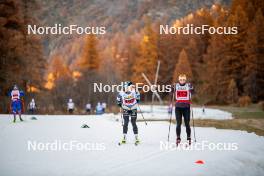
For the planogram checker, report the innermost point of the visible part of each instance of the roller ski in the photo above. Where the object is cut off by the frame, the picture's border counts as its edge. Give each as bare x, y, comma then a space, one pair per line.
123, 141
188, 143
137, 140
21, 120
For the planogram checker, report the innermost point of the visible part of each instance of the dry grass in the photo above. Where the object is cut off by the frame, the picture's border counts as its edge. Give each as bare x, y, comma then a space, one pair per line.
249, 125
250, 119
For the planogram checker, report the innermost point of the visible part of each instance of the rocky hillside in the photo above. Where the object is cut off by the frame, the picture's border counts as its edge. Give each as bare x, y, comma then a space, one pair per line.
116, 15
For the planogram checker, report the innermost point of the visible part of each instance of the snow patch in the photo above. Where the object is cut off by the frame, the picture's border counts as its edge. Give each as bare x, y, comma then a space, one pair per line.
161, 112
128, 159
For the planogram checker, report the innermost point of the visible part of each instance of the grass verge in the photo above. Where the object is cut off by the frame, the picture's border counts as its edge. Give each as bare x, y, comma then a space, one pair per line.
250, 119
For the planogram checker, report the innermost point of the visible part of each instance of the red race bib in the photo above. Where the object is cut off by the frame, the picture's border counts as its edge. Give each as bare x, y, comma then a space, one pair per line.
182, 93
130, 101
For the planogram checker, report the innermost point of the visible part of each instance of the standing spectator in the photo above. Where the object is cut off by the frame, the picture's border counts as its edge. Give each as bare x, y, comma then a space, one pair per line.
70, 106
99, 109
104, 106
88, 108
32, 106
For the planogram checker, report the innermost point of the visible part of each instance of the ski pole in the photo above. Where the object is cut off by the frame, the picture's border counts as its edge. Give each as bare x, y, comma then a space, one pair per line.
142, 115
170, 116
121, 114
193, 127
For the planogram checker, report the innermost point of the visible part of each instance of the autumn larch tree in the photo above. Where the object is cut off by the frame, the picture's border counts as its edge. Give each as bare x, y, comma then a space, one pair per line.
253, 78
183, 67
148, 55
89, 59
232, 93
21, 55
231, 65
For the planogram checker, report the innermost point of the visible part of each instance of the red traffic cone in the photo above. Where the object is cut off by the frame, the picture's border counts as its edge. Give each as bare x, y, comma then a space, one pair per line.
199, 162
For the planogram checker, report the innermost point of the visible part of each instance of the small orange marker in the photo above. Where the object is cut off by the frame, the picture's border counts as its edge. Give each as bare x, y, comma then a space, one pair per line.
199, 162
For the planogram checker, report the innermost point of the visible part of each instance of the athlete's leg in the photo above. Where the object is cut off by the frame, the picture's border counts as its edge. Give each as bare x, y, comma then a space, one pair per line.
14, 110
126, 121
178, 113
186, 115
134, 120
14, 120
19, 109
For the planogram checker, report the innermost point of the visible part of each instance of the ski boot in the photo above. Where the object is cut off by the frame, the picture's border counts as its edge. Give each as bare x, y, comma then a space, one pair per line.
14, 121
178, 141
123, 141
137, 141
20, 118
189, 140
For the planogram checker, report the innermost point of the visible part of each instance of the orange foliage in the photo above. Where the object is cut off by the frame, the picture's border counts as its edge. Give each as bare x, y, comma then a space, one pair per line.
76, 74
50, 81
32, 89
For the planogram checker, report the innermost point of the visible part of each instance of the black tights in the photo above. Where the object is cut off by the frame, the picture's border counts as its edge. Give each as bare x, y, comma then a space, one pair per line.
185, 112
133, 114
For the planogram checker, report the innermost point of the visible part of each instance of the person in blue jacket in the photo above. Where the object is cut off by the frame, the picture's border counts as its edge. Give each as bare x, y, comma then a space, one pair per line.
99, 109
16, 103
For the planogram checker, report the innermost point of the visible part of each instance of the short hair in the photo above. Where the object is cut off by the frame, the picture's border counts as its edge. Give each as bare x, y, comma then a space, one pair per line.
182, 76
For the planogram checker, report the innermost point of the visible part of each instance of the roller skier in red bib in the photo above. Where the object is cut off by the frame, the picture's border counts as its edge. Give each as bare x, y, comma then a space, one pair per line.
183, 93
